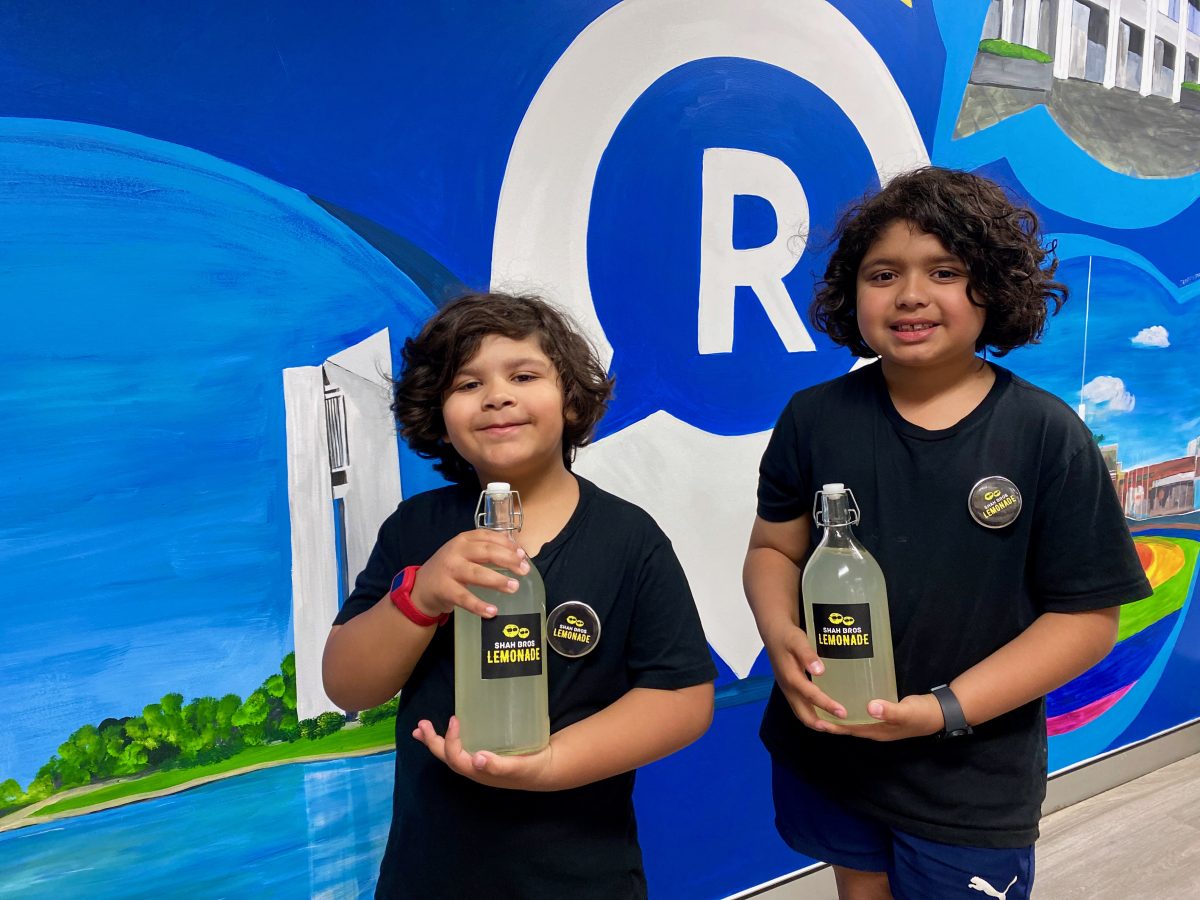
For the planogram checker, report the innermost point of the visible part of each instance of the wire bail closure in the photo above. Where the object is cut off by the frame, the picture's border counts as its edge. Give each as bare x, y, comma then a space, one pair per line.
853, 514
515, 518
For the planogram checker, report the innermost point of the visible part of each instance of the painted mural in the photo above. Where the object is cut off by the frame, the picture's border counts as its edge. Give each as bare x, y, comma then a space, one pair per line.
221, 221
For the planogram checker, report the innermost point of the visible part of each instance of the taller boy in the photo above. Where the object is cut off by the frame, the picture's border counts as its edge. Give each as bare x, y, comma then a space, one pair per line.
942, 796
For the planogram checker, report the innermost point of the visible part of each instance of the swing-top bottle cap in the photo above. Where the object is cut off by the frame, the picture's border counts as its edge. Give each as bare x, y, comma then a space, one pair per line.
498, 487
833, 488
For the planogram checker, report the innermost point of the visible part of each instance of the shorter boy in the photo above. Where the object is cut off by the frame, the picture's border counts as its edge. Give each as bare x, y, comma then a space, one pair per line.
501, 388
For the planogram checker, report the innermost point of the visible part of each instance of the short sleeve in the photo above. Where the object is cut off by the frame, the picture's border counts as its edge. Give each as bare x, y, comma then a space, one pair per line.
667, 649
1082, 556
784, 475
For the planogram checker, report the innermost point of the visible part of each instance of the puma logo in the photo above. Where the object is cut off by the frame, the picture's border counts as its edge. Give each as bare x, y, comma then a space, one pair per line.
978, 884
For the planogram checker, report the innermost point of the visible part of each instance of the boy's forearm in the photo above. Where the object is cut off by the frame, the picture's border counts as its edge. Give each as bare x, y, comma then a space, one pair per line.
1054, 649
368, 660
644, 725
772, 585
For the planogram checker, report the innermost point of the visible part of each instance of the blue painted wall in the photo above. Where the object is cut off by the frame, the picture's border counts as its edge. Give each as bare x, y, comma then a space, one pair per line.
164, 258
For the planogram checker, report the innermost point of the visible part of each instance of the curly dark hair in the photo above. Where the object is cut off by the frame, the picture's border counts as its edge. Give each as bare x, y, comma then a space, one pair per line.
453, 335
996, 239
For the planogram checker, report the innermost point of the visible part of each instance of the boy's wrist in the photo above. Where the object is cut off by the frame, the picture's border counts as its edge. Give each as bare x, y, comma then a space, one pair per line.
776, 628
401, 594
954, 720
543, 779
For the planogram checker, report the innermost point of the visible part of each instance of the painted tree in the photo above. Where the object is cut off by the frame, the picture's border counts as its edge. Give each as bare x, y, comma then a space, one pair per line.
11, 794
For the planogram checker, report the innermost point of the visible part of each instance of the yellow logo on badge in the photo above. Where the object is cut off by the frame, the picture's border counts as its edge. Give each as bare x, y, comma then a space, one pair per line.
575, 620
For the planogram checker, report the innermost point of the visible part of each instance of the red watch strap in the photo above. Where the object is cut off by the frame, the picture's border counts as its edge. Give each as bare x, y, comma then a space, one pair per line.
401, 594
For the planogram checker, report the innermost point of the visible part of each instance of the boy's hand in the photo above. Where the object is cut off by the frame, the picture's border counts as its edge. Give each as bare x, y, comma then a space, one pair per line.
528, 773
791, 657
916, 715
442, 583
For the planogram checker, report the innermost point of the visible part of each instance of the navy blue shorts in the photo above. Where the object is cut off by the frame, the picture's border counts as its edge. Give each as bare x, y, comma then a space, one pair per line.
812, 823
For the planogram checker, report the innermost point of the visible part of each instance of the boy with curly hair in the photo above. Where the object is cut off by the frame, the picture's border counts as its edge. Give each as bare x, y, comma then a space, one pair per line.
992, 514
502, 388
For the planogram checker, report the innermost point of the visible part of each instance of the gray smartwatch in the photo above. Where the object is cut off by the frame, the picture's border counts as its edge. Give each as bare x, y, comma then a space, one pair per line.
952, 713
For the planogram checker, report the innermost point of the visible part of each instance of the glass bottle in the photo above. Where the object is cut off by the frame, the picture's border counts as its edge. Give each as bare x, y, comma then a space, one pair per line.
846, 612
500, 695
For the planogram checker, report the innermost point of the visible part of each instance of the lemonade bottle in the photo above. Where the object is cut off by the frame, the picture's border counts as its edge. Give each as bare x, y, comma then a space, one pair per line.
500, 694
846, 612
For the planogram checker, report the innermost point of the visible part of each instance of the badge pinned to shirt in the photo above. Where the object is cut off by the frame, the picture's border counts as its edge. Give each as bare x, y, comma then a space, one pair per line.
994, 502
572, 629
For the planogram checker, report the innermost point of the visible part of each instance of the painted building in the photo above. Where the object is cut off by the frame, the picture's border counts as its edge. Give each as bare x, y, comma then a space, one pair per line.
343, 480
1165, 488
1148, 46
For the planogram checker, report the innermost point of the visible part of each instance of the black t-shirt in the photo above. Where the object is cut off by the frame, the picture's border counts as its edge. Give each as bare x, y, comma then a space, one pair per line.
957, 591
451, 837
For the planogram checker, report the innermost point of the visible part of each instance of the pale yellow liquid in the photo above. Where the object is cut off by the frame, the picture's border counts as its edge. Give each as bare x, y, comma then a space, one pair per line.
503, 715
851, 575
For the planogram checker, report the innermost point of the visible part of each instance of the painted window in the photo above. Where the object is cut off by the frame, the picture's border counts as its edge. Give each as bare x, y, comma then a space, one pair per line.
339, 547
1164, 67
1088, 41
1131, 44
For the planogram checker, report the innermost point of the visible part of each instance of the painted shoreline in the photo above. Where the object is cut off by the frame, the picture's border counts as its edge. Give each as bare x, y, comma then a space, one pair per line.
28, 816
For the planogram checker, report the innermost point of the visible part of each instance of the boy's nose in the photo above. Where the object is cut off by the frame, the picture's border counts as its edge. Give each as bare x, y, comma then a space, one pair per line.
909, 295
498, 399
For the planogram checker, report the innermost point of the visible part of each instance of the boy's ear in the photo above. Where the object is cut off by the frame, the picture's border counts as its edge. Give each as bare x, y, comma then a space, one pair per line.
569, 413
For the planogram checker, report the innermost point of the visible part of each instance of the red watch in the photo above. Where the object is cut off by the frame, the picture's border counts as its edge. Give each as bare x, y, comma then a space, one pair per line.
401, 594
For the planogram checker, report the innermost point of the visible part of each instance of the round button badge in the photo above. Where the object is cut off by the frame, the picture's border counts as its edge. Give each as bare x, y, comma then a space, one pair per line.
573, 629
994, 502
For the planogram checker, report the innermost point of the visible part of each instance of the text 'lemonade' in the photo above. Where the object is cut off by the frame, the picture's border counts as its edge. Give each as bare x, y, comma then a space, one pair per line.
846, 612
500, 663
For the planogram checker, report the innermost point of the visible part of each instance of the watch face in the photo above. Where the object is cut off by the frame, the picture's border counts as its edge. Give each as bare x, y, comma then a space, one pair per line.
955, 733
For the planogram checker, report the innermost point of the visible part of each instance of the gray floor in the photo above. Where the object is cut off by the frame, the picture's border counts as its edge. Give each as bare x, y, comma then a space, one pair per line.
1139, 840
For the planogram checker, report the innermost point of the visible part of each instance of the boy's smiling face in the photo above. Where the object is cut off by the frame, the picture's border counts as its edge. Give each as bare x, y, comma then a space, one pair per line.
504, 410
913, 309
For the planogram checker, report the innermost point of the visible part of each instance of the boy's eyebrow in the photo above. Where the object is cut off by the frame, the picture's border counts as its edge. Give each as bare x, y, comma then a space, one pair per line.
522, 362
929, 261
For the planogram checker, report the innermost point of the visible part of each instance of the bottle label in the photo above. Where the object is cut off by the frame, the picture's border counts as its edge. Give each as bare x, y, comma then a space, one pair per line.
511, 646
843, 630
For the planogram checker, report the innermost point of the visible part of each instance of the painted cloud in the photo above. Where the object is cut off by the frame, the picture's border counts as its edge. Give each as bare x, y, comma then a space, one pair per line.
1154, 336
1108, 392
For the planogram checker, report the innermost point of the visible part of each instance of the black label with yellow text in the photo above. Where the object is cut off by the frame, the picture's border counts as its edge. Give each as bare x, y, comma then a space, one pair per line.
511, 646
843, 630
